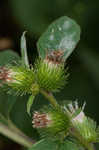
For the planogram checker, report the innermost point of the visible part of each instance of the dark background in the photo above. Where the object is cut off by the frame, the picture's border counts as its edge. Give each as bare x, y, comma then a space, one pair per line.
35, 16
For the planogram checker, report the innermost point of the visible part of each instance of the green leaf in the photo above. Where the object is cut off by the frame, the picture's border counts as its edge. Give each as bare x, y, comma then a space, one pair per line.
63, 34
50, 144
3, 119
68, 145
44, 144
29, 103
6, 103
21, 119
8, 56
25, 61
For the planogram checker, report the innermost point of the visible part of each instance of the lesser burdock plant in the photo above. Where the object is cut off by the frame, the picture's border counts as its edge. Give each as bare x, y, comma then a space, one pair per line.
60, 126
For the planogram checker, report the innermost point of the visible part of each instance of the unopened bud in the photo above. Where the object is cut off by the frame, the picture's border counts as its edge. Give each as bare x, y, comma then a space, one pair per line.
19, 79
86, 126
50, 76
52, 122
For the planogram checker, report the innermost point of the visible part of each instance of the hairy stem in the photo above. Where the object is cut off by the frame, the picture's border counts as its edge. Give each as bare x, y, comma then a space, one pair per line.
50, 97
15, 136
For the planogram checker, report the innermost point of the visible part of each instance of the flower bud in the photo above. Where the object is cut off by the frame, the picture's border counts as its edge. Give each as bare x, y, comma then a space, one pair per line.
52, 122
50, 75
19, 79
86, 126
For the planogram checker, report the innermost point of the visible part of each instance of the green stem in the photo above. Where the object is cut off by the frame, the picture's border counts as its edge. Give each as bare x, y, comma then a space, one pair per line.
15, 136
50, 97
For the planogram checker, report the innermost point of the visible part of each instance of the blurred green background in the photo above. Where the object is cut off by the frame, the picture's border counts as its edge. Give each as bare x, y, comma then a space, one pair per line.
34, 16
